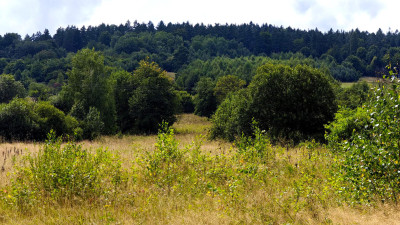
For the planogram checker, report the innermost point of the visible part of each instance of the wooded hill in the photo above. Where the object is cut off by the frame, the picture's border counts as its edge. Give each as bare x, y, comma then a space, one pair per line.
43, 57
108, 79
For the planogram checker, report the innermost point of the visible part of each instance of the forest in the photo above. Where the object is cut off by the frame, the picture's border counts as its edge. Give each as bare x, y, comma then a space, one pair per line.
252, 123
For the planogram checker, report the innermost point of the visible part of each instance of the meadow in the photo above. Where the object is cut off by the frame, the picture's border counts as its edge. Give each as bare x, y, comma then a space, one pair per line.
180, 177
372, 81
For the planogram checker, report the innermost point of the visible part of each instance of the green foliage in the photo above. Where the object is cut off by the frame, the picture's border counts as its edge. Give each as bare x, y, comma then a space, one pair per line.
51, 118
354, 96
154, 100
186, 102
205, 100
92, 124
226, 85
18, 120
39, 91
289, 103
369, 163
124, 85
9, 88
22, 119
89, 85
163, 164
292, 103
65, 173
347, 122
232, 117
255, 149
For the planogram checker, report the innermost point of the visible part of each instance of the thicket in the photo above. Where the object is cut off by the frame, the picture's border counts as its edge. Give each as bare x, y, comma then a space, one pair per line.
23, 119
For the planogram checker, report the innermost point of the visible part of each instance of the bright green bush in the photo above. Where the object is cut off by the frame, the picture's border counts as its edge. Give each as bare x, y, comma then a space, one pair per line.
369, 165
347, 121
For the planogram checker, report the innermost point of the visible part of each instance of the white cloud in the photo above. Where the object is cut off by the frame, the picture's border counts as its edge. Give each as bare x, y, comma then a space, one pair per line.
29, 16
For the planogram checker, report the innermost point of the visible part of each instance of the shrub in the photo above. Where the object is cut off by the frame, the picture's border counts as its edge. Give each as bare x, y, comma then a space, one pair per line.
370, 160
205, 100
153, 101
347, 121
65, 173
186, 102
232, 117
18, 120
289, 103
9, 88
92, 125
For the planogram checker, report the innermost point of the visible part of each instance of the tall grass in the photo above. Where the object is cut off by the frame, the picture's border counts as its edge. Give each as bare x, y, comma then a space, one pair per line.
171, 182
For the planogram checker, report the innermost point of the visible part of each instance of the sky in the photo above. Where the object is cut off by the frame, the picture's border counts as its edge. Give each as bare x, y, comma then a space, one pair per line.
29, 16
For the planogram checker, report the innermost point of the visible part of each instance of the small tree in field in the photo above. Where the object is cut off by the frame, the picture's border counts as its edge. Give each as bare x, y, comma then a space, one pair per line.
154, 100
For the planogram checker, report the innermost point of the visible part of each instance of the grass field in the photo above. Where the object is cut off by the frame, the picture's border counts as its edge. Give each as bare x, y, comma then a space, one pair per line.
369, 80
212, 184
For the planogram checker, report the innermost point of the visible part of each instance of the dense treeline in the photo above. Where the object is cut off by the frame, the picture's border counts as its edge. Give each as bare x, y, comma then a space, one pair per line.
42, 57
108, 79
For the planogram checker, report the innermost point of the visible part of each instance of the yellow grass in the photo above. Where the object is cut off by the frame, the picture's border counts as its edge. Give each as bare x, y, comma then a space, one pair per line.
370, 80
148, 205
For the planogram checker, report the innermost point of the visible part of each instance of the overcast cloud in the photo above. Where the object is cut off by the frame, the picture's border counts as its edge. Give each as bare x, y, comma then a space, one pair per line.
30, 16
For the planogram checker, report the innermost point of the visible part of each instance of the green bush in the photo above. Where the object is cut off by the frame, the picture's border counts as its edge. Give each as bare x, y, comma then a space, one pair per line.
18, 120
153, 101
205, 100
65, 173
9, 88
347, 121
92, 125
289, 103
232, 117
369, 165
50, 118
22, 119
354, 96
186, 102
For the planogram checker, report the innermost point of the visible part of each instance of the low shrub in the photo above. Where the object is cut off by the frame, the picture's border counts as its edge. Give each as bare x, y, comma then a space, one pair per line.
65, 173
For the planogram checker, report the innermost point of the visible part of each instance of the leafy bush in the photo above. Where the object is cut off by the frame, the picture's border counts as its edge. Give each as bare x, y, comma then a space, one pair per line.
354, 96
18, 120
186, 102
9, 88
22, 119
205, 100
232, 117
163, 165
65, 173
92, 125
153, 101
346, 123
369, 165
289, 103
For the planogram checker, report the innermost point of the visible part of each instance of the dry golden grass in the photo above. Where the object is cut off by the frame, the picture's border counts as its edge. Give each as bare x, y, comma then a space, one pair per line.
148, 205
